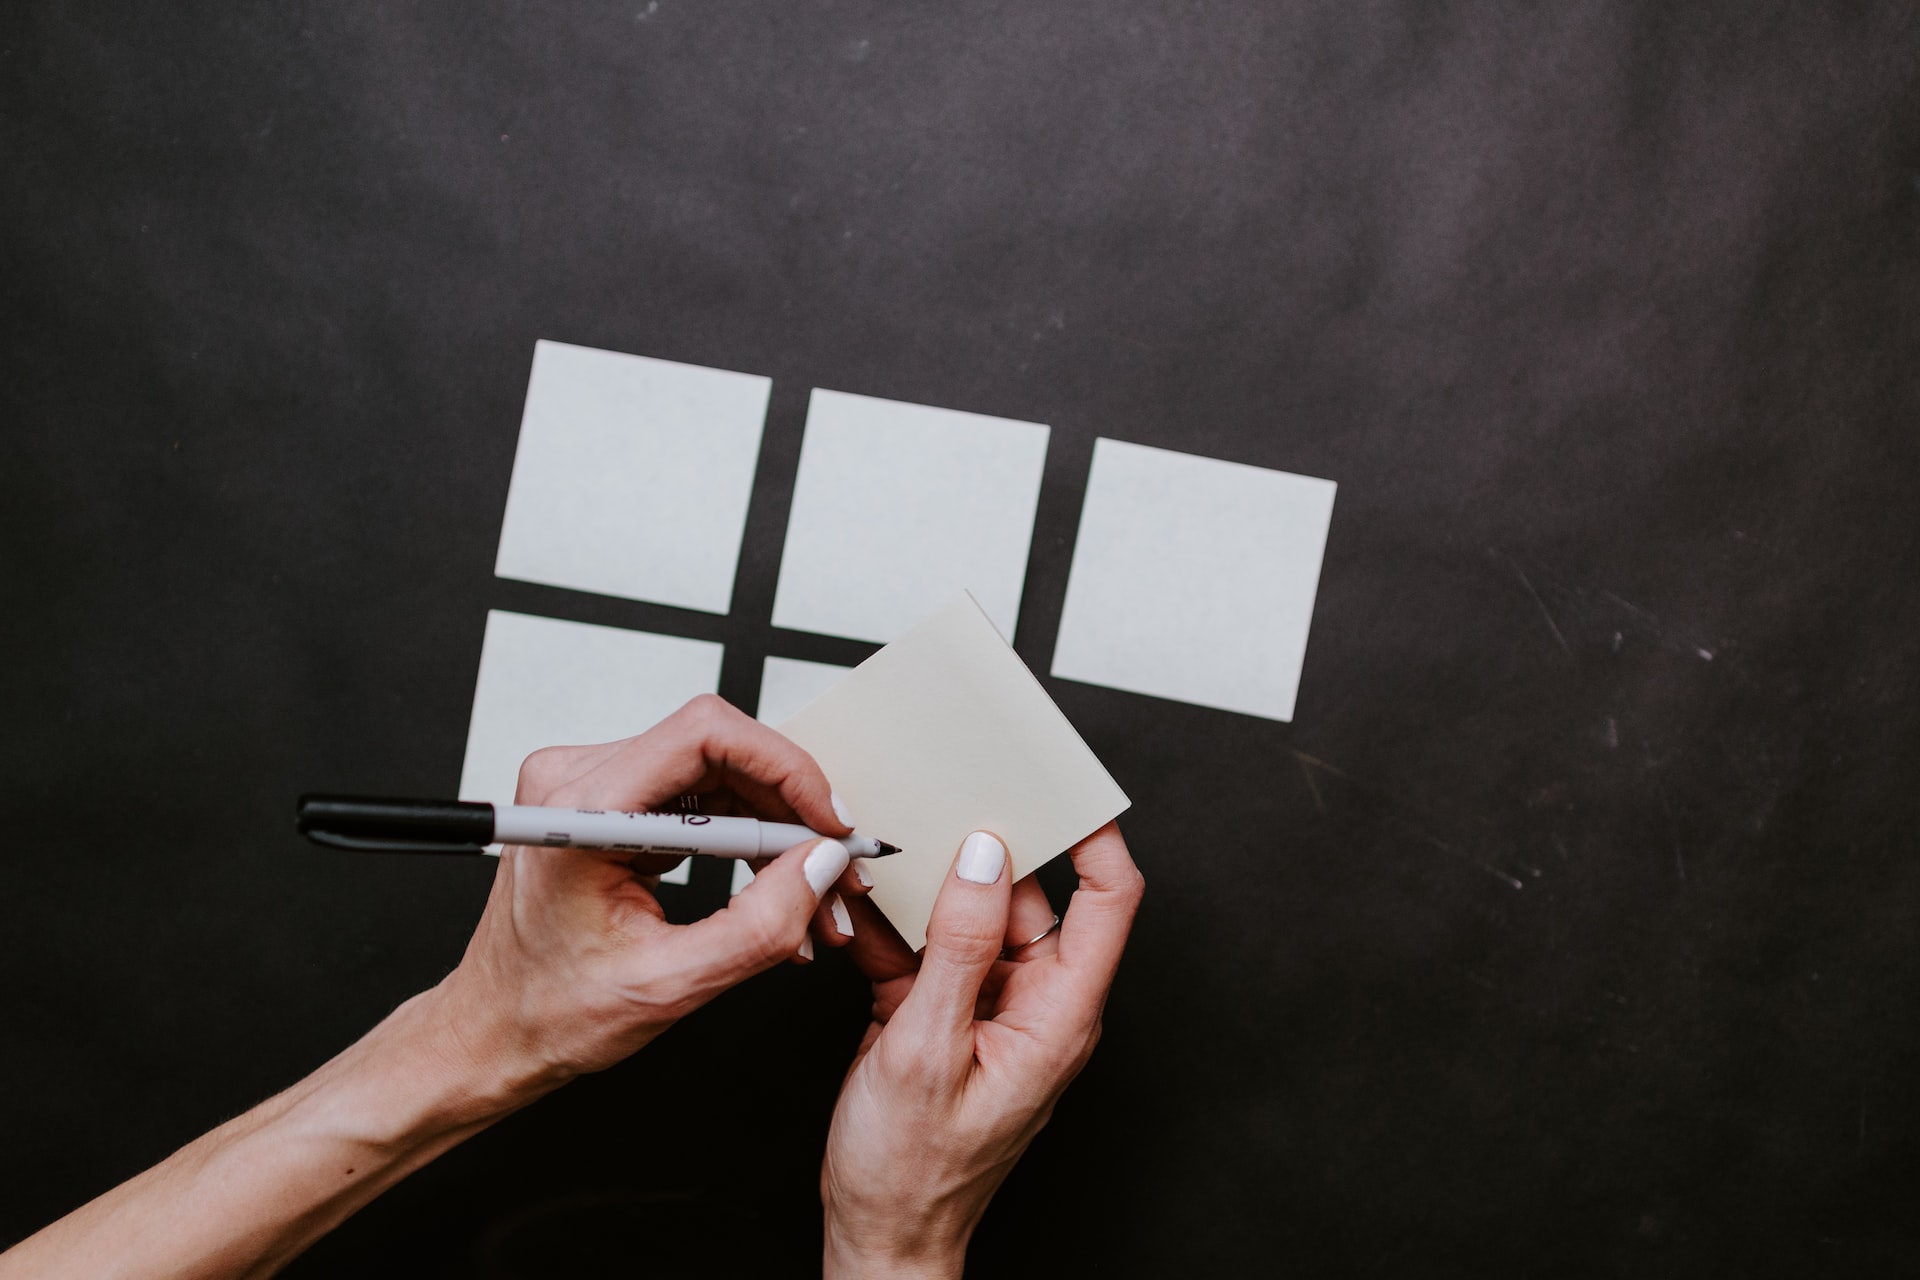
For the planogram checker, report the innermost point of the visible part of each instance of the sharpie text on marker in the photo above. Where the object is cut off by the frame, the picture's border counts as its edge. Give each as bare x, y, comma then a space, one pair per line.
376, 825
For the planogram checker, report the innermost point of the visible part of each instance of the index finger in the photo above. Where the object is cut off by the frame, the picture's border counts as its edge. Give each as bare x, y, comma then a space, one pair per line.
706, 735
1100, 914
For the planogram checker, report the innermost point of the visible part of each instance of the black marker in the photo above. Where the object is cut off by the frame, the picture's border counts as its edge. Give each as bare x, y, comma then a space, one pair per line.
458, 826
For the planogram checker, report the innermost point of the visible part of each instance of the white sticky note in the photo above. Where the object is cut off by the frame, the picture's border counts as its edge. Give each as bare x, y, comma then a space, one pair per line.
632, 476
788, 684
898, 506
1193, 579
945, 732
544, 683
680, 874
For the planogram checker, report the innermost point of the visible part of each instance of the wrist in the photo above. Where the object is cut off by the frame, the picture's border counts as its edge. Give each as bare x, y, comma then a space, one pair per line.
914, 1253
480, 1068
416, 1082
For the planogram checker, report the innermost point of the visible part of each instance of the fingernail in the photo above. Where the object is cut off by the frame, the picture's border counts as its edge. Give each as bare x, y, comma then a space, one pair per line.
806, 948
860, 873
825, 861
981, 858
840, 810
841, 920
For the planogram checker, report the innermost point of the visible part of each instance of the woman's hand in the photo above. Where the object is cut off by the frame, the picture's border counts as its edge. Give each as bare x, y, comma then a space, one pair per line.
573, 966
971, 1045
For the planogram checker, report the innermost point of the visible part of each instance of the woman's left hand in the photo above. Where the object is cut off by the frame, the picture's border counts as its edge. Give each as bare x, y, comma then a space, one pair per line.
971, 1045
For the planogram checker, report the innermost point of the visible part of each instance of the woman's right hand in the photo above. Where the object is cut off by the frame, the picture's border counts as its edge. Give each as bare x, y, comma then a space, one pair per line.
573, 965
971, 1045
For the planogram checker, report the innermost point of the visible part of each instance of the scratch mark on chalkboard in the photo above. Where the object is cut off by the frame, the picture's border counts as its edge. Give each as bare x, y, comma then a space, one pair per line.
1312, 786
1545, 613
1659, 793
1318, 763
1501, 876
1379, 810
1487, 867
1606, 616
1307, 765
1631, 607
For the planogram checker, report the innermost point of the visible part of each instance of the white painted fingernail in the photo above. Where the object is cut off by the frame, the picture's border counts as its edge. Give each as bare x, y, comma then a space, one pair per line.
841, 920
860, 873
825, 861
806, 948
981, 858
840, 810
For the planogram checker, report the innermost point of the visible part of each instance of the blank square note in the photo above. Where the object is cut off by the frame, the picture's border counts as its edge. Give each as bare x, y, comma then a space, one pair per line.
632, 476
944, 732
1194, 579
547, 683
898, 506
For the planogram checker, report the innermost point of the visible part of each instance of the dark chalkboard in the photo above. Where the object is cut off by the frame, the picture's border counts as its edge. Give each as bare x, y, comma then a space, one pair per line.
1568, 930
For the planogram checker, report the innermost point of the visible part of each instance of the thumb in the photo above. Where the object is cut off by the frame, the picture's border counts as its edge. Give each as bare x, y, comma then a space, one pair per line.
964, 938
761, 926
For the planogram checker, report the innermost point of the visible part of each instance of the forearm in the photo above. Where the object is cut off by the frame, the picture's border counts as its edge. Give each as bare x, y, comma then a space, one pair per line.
248, 1197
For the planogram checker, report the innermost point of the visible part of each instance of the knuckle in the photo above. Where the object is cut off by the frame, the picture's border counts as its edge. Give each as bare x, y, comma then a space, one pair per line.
970, 939
707, 709
541, 772
678, 1004
660, 1000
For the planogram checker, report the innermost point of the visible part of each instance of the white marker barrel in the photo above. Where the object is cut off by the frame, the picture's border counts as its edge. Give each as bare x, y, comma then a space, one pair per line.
671, 834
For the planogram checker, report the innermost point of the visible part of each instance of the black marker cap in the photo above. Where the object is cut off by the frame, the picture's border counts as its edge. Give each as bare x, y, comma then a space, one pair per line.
371, 824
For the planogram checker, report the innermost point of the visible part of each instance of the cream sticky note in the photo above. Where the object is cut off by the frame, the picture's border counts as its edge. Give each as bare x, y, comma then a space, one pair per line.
898, 506
632, 476
788, 684
1194, 578
545, 683
945, 732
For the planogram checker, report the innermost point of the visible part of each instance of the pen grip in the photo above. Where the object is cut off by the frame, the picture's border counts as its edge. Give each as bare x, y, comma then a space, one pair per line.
670, 834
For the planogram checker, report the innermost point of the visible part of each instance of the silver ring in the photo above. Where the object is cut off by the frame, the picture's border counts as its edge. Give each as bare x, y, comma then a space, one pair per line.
1044, 934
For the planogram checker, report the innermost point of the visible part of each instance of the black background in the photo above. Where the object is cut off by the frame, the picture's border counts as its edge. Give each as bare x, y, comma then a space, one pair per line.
1567, 931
